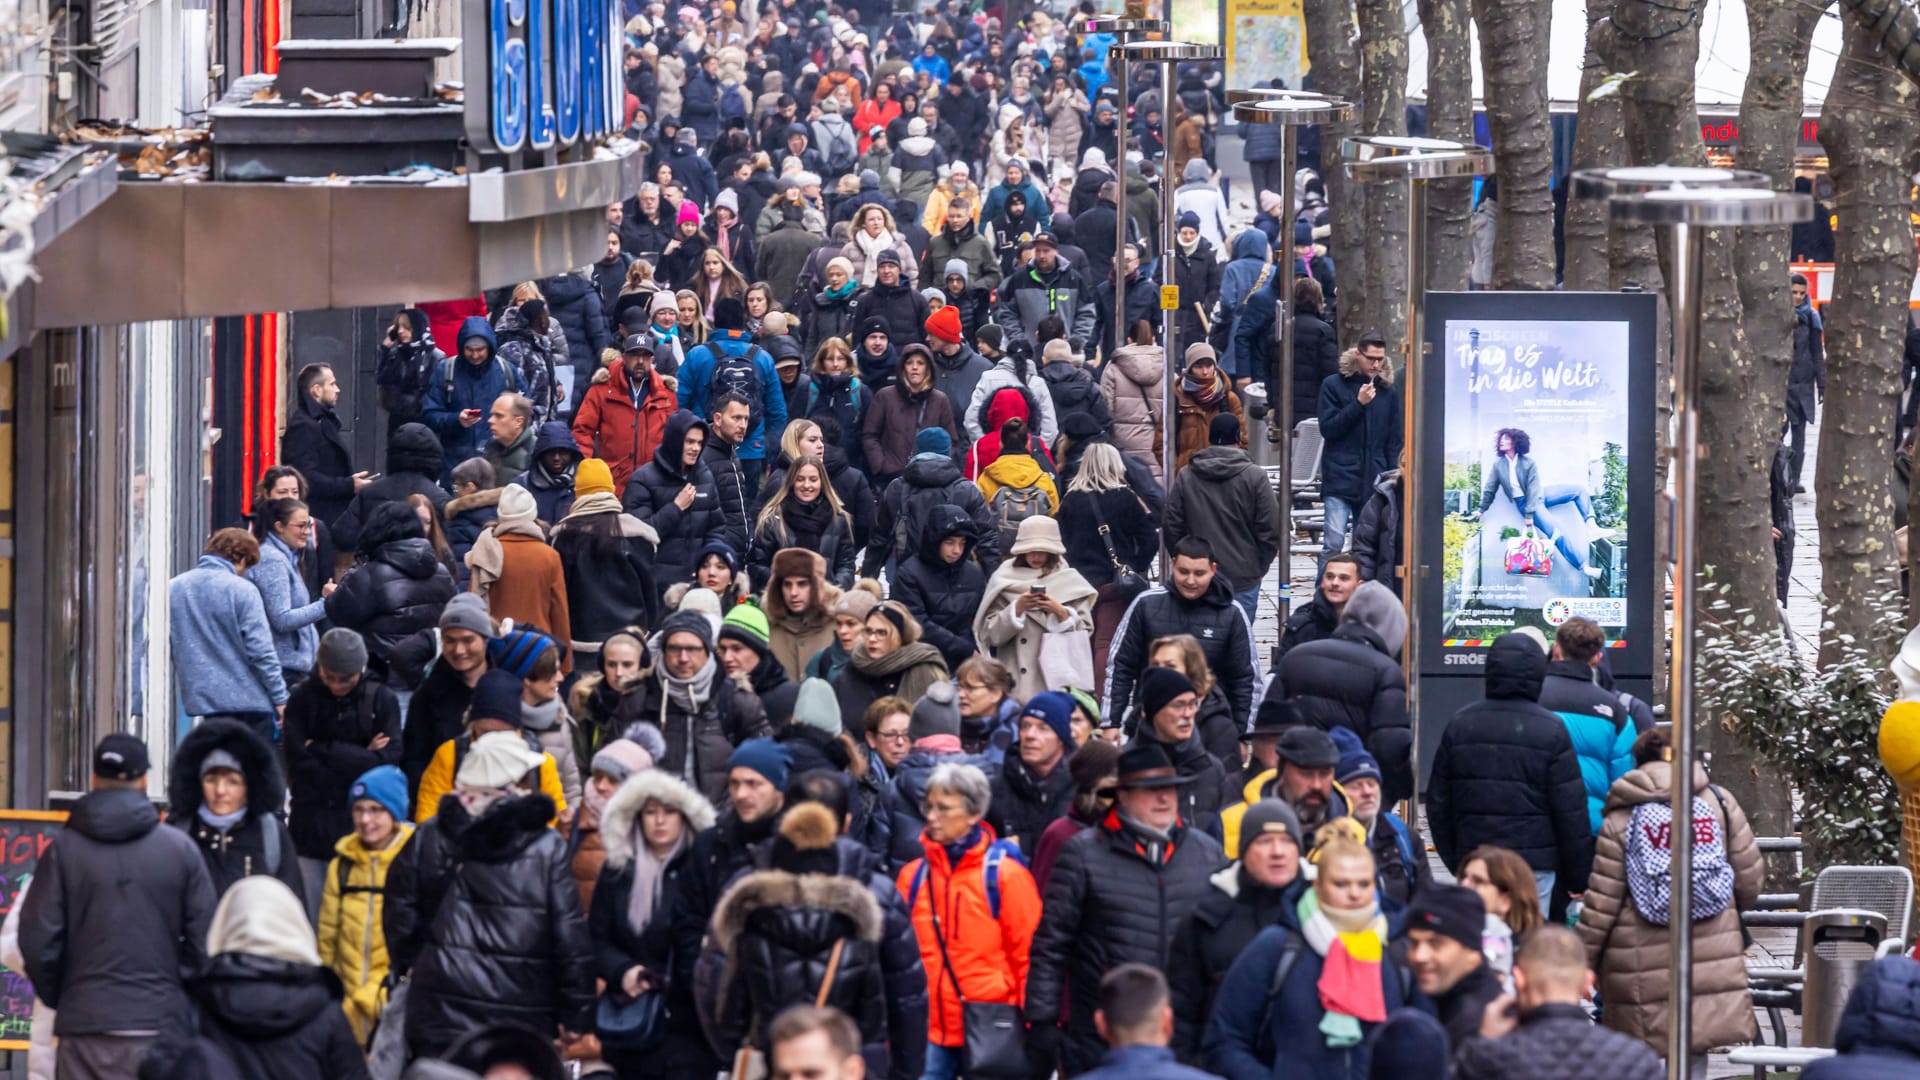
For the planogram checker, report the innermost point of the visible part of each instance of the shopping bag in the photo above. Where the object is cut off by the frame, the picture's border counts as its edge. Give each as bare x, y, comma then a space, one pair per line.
1529, 555
387, 1058
1066, 659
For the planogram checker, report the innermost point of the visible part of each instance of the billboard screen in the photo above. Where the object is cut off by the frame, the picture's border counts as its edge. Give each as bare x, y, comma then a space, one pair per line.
1539, 441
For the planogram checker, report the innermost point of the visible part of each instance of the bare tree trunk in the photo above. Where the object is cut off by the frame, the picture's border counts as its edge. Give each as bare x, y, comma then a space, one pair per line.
1336, 71
1868, 126
1599, 141
1449, 116
1383, 96
1513, 58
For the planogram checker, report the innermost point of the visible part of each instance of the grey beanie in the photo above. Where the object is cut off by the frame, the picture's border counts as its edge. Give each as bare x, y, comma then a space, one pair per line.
936, 713
220, 759
1270, 815
959, 266
466, 611
1374, 606
343, 651
691, 622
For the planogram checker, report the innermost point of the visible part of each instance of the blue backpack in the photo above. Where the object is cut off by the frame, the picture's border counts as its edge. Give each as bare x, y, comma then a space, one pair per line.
997, 852
1403, 842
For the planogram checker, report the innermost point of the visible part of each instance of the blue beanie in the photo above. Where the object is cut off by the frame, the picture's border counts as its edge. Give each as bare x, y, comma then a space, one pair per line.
1056, 709
1354, 762
496, 697
933, 440
1410, 1043
384, 784
517, 651
766, 757
722, 549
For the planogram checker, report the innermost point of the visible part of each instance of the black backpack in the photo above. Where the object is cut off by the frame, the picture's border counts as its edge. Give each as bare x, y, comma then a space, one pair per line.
737, 374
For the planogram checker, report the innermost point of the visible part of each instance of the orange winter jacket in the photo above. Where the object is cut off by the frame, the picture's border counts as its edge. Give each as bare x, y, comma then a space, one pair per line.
989, 957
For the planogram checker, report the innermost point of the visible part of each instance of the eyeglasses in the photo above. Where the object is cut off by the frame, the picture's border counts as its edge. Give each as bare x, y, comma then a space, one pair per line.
875, 631
892, 736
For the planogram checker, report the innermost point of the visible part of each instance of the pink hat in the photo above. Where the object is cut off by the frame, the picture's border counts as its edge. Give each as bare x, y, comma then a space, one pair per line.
688, 212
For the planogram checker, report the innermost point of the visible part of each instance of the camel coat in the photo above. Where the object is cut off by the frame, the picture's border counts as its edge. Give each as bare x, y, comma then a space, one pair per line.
532, 589
1631, 954
1194, 420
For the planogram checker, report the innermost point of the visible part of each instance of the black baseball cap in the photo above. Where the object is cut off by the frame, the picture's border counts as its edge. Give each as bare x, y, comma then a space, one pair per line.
638, 343
120, 757
1048, 239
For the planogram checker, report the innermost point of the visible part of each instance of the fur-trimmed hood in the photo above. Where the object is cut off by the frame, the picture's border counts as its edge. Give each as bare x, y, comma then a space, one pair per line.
475, 501
266, 787
499, 834
621, 820
765, 890
1350, 363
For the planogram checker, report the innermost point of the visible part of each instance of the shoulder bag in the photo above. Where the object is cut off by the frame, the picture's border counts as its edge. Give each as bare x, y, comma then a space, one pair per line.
749, 1063
994, 1033
1127, 582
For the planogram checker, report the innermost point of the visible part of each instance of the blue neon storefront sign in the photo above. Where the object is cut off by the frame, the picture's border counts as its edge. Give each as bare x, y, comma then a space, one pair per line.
542, 73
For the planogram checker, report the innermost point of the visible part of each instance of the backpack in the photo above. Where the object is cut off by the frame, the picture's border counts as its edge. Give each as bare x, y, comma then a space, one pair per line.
997, 852
1404, 843
506, 374
737, 373
841, 150
1649, 860
1011, 506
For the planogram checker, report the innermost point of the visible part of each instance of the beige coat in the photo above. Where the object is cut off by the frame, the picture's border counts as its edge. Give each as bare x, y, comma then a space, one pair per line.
1017, 644
1631, 954
1134, 386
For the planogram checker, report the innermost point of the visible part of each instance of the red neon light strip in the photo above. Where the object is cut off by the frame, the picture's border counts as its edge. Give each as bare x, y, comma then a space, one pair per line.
246, 420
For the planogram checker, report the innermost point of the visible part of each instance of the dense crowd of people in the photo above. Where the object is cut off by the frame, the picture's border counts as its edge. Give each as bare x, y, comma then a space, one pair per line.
753, 658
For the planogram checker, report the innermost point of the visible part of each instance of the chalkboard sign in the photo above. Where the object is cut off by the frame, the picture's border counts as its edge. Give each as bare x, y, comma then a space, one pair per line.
25, 835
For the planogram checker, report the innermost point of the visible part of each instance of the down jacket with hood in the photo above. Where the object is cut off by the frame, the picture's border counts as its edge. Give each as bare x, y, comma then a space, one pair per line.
241, 849
986, 398
1506, 774
1600, 725
1352, 680
986, 943
1226, 639
944, 596
393, 595
264, 997
352, 942
1879, 1034
414, 465
457, 386
485, 915
1632, 955
619, 945
1134, 385
609, 426
650, 497
552, 493
929, 481
1377, 541
574, 302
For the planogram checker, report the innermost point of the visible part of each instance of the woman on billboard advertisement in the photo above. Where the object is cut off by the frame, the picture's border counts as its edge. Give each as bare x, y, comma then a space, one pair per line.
1514, 475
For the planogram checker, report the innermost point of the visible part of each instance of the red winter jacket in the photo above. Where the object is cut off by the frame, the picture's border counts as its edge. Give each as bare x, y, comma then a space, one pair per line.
610, 428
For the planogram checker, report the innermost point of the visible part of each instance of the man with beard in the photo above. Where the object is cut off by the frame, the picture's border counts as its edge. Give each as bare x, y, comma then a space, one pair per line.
1304, 781
1319, 617
959, 239
732, 419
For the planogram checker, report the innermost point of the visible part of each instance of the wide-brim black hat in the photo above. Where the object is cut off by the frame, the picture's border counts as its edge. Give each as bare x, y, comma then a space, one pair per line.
1148, 766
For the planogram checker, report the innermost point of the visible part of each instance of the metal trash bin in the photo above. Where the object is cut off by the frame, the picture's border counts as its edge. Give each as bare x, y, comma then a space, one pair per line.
1840, 946
1253, 400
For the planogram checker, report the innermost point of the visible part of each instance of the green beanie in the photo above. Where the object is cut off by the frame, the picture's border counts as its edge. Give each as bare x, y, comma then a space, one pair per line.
747, 624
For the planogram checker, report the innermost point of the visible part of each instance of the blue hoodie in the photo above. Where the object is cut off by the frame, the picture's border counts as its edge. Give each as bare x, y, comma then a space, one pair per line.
456, 386
696, 378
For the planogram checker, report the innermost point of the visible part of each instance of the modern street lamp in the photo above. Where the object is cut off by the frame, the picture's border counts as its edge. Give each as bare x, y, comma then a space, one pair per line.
1685, 199
1123, 31
1390, 159
1167, 54
1289, 110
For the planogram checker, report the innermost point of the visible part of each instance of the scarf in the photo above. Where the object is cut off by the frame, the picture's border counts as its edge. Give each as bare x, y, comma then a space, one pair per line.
871, 247
649, 873
548, 480
487, 558
809, 521
690, 694
1351, 945
918, 666
540, 717
666, 333
1158, 842
959, 848
841, 292
1208, 396
223, 822
597, 502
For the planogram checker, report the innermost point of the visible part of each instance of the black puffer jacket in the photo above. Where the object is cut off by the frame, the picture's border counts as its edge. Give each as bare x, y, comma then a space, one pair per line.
944, 596
836, 546
1208, 792
1210, 939
650, 495
1108, 902
1376, 533
722, 459
575, 302
1225, 639
392, 596
415, 463
908, 504
901, 805
1024, 804
849, 483
698, 746
241, 850
1561, 1042
115, 967
279, 1019
1506, 773
326, 745
1135, 541
610, 584
1316, 355
1074, 389
1349, 680
900, 306
490, 918
1313, 621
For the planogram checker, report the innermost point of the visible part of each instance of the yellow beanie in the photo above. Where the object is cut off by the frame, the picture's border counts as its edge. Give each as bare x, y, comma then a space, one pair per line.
592, 475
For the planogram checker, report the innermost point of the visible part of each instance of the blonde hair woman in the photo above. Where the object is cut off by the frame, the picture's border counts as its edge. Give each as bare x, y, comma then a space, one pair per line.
693, 319
803, 512
890, 660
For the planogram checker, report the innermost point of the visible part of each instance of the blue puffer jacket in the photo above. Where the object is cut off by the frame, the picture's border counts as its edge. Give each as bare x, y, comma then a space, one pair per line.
456, 386
769, 413
1233, 1041
1601, 731
1247, 258
1879, 1036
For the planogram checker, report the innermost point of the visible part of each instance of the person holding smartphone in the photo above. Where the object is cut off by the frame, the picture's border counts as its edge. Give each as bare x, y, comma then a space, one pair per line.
463, 388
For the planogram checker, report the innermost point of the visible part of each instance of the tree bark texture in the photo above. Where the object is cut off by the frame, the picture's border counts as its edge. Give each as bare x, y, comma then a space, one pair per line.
1868, 127
1513, 59
1383, 98
1449, 116
1599, 142
1336, 71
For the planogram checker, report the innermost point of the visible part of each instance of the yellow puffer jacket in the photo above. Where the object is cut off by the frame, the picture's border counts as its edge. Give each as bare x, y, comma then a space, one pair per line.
351, 941
1018, 471
437, 783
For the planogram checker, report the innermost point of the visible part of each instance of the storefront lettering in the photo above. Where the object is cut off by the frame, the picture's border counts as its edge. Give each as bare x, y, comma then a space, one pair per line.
551, 73
1727, 132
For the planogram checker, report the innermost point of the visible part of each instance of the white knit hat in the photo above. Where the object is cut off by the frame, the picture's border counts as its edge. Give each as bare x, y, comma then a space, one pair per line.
497, 759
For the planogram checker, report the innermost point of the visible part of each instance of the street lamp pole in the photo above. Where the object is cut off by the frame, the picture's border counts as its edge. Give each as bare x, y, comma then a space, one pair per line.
1686, 199
1391, 160
1288, 110
1123, 31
